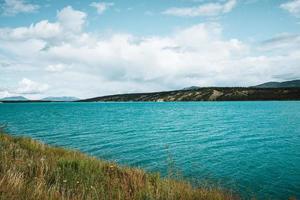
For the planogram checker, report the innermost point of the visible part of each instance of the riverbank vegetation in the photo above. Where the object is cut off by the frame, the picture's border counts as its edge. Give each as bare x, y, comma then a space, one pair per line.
32, 170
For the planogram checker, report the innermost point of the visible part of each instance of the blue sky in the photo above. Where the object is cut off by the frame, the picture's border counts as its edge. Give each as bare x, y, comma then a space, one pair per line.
145, 17
92, 48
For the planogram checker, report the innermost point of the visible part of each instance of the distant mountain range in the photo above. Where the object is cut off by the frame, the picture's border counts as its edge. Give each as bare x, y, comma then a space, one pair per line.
47, 99
288, 90
60, 99
286, 84
15, 98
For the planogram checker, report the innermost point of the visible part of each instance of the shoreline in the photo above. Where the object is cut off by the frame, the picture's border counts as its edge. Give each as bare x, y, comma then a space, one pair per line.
205, 94
33, 170
104, 102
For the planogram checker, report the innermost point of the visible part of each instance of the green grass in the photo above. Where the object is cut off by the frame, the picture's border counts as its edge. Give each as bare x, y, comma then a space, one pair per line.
32, 170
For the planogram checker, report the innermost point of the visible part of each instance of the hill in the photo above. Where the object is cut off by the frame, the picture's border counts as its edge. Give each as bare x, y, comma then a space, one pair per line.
286, 84
14, 98
208, 94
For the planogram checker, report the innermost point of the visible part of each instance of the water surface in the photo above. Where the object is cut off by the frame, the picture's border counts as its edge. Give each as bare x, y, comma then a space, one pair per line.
251, 147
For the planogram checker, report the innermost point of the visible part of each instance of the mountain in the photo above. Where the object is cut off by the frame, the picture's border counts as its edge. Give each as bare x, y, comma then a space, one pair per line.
286, 84
191, 88
60, 99
207, 94
15, 98
288, 90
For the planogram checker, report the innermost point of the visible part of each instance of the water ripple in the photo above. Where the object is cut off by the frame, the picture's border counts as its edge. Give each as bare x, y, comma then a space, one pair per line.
253, 147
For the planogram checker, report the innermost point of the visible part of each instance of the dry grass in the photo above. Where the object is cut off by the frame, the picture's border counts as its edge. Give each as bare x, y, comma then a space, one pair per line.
32, 170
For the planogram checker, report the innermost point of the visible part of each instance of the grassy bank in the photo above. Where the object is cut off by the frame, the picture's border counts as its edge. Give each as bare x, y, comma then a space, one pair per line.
32, 170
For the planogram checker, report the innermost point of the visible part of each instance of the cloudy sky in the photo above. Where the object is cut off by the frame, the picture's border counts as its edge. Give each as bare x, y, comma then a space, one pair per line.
93, 48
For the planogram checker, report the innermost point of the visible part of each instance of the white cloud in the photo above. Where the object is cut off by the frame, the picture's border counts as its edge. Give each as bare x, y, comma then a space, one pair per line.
56, 68
69, 22
27, 86
207, 9
284, 41
13, 7
41, 30
119, 62
70, 19
5, 93
101, 6
292, 7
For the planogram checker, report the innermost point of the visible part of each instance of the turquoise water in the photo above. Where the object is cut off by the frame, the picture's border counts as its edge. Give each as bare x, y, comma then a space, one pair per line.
251, 147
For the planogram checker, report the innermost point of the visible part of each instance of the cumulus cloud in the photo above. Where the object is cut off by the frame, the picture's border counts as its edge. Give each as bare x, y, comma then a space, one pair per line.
292, 7
13, 7
70, 19
69, 22
40, 30
101, 6
120, 62
24, 87
207, 9
124, 57
27, 86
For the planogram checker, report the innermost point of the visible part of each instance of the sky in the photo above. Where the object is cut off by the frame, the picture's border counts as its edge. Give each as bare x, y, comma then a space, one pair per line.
93, 48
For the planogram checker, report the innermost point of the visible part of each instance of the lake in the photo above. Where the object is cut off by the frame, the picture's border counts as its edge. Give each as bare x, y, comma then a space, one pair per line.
250, 147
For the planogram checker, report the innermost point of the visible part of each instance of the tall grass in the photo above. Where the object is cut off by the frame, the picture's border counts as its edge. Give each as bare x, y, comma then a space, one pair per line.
32, 170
